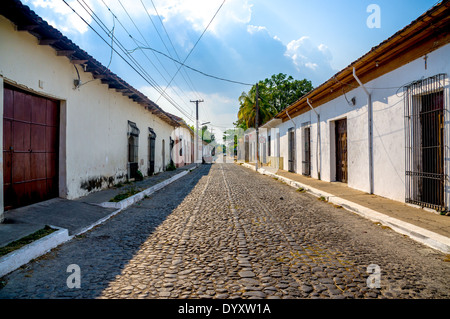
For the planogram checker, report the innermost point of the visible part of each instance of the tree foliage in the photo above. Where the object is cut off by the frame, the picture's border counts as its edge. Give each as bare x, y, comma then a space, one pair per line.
275, 94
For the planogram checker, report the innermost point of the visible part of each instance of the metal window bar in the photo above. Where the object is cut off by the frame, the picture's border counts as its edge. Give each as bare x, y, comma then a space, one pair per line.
425, 108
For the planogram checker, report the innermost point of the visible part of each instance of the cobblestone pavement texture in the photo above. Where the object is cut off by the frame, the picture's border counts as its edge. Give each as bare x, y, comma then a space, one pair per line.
224, 231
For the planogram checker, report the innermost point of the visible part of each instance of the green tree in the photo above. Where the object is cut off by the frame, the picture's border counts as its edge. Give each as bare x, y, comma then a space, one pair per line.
206, 135
283, 90
231, 136
275, 94
247, 109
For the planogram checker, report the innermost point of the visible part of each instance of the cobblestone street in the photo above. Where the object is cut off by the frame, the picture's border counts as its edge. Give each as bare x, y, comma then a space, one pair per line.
224, 231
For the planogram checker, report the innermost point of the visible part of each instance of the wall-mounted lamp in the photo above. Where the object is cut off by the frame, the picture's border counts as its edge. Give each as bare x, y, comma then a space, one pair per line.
77, 83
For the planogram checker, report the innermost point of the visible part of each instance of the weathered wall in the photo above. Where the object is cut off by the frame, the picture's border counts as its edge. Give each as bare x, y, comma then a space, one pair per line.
94, 119
388, 129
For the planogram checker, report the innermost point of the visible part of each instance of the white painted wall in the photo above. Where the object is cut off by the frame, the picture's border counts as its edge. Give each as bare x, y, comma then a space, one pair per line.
388, 129
94, 119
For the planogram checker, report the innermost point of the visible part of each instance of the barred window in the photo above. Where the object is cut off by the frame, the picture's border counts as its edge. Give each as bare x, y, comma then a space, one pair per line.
424, 132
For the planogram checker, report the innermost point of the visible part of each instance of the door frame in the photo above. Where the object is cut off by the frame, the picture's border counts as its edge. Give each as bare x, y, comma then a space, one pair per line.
60, 189
291, 149
151, 151
341, 175
306, 149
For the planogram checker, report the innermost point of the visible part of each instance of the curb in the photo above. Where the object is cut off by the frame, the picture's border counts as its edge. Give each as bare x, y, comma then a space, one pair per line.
424, 236
24, 255
139, 196
127, 202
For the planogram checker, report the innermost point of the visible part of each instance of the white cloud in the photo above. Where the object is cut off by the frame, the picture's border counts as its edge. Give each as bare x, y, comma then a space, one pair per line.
199, 13
252, 29
312, 66
310, 59
324, 49
62, 17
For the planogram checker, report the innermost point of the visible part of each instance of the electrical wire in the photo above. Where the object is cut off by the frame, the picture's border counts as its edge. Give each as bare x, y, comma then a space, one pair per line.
110, 57
187, 66
135, 41
141, 72
192, 49
189, 83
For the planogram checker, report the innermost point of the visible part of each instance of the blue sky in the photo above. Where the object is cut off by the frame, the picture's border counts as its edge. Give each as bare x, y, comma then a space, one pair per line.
248, 41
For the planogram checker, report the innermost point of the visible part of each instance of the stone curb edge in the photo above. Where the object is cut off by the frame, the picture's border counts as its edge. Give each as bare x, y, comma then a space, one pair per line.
424, 236
24, 255
127, 202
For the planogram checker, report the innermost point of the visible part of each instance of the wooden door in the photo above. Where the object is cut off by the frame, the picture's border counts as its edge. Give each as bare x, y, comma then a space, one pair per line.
341, 151
30, 148
291, 150
151, 152
306, 151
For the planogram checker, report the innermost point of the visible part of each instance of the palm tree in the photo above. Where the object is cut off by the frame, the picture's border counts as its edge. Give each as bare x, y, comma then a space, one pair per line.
247, 109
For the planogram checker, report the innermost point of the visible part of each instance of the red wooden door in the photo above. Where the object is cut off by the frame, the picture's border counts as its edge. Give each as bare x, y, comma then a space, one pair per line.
30, 148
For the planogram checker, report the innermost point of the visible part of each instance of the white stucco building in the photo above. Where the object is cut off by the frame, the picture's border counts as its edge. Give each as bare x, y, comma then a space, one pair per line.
382, 124
70, 126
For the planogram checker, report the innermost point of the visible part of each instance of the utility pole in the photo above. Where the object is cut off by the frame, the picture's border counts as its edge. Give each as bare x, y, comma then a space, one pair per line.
196, 129
256, 125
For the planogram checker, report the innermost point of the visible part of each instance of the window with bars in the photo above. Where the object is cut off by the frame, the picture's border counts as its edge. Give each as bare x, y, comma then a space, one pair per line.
424, 132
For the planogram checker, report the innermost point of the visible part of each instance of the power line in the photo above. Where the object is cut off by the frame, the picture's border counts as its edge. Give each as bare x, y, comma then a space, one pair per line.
136, 67
192, 49
187, 66
190, 83
135, 41
148, 79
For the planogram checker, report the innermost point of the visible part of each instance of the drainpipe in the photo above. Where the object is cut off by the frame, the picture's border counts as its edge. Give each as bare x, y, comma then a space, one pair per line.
370, 124
318, 139
295, 140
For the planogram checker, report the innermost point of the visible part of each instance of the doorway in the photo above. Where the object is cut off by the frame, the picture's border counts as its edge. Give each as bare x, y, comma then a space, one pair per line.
306, 161
151, 151
30, 148
291, 150
341, 151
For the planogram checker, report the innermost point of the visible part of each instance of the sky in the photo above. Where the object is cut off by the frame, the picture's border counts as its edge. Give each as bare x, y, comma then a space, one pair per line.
242, 41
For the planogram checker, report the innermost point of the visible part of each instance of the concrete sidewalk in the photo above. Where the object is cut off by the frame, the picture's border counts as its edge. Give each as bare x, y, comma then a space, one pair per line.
71, 217
423, 225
